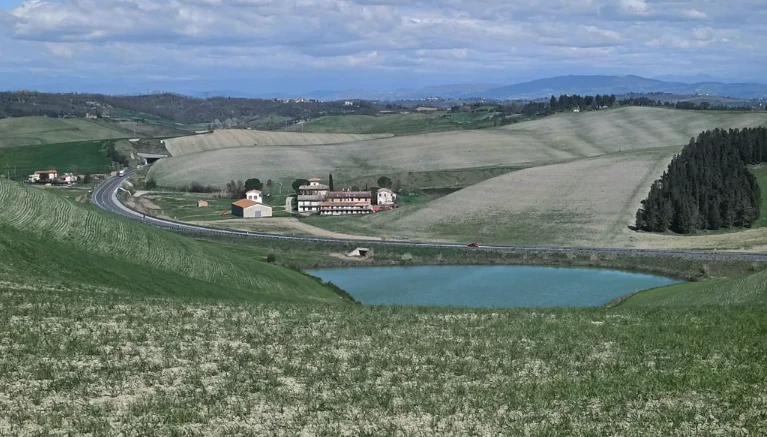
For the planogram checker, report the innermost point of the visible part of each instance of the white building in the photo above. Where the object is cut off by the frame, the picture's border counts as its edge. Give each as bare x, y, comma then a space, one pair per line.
255, 196
249, 209
311, 196
43, 176
386, 197
347, 203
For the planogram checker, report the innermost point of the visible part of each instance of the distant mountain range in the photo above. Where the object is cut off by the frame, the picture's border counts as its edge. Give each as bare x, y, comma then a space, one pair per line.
540, 88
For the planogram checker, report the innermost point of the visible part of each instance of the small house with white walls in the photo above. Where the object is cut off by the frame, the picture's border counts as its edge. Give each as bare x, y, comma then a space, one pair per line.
255, 196
386, 197
249, 209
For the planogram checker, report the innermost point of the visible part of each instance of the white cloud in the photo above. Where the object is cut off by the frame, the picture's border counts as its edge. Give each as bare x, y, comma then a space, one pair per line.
437, 36
693, 14
635, 7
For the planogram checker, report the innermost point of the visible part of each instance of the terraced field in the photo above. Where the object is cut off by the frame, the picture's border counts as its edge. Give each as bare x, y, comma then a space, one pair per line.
550, 140
84, 245
45, 130
228, 138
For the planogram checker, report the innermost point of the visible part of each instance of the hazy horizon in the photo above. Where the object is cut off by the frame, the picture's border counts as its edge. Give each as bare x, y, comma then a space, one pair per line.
290, 47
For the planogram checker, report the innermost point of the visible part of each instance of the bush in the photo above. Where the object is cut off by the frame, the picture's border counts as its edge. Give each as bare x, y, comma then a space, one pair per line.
271, 258
196, 187
150, 184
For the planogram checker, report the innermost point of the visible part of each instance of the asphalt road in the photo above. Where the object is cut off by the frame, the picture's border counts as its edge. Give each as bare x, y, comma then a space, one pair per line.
105, 197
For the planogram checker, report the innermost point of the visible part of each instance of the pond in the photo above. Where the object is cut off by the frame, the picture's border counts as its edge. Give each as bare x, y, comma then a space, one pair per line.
488, 286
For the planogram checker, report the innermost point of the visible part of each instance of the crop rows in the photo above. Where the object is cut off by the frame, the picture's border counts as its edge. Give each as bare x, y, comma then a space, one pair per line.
73, 229
253, 138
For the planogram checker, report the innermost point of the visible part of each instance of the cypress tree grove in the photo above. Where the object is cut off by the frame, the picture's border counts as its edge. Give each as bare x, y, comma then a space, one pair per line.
707, 186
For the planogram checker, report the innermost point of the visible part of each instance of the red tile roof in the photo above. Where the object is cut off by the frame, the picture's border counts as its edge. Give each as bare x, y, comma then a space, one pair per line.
244, 203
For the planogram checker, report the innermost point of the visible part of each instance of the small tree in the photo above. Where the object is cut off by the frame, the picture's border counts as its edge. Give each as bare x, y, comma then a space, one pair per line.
384, 182
330, 182
297, 184
271, 258
269, 185
149, 184
253, 184
87, 178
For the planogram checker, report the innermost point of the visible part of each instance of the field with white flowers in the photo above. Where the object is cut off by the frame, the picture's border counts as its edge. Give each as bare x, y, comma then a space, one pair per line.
92, 362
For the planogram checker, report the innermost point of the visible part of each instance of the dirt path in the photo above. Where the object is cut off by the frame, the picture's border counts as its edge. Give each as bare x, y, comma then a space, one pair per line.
279, 225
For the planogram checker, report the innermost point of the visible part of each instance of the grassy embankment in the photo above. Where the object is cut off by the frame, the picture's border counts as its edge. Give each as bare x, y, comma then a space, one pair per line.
49, 241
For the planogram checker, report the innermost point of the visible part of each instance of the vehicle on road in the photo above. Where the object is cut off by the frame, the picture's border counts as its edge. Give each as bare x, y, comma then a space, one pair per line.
474, 244
121, 173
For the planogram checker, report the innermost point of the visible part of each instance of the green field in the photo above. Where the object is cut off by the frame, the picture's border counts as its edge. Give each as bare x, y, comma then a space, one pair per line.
25, 131
93, 362
748, 290
80, 245
761, 178
82, 156
398, 124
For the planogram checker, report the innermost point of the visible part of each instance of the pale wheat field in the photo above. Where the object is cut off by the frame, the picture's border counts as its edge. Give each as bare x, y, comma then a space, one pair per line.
553, 139
253, 138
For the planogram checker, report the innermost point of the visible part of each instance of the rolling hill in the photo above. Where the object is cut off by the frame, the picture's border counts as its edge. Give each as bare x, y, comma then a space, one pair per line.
45, 130
48, 241
222, 139
553, 139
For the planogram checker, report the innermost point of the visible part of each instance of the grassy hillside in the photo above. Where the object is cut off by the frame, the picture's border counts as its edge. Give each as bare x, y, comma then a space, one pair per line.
553, 139
86, 156
747, 290
222, 139
48, 241
44, 130
398, 124
587, 201
87, 363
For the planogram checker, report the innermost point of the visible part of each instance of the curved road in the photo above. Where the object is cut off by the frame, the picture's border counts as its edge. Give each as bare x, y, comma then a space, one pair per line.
105, 197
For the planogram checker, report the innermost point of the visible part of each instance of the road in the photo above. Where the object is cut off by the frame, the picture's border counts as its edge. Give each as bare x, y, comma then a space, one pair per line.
105, 197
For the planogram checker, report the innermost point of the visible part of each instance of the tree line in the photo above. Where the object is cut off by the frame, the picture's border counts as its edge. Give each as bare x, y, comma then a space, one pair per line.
708, 186
702, 106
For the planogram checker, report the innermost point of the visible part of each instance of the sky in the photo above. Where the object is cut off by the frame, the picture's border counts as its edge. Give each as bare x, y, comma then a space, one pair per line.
294, 46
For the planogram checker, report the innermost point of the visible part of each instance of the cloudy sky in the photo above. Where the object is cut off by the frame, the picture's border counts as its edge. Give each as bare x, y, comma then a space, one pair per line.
263, 46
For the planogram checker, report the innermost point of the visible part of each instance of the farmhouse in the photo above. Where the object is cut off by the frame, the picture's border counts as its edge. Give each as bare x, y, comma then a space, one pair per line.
311, 196
202, 204
386, 197
249, 209
347, 203
425, 109
255, 196
43, 176
67, 178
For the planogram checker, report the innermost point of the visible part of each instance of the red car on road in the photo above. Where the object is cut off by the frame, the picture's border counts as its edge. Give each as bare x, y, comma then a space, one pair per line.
474, 244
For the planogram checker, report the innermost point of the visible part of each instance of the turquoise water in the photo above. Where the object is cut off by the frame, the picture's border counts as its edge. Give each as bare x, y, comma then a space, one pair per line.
488, 286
